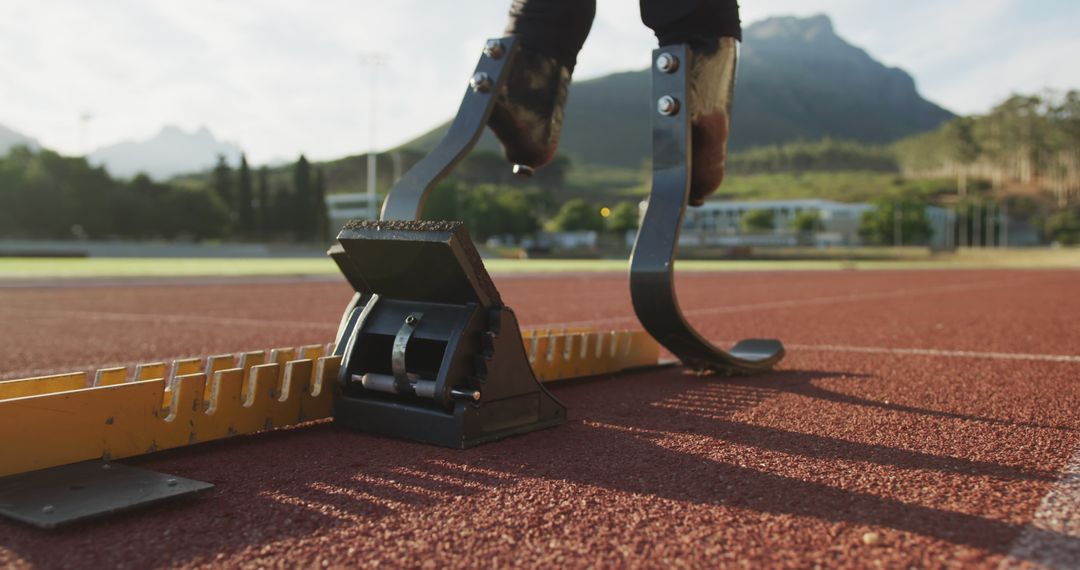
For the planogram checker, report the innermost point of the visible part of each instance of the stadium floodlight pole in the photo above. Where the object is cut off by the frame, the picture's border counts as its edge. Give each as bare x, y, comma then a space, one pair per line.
84, 124
373, 61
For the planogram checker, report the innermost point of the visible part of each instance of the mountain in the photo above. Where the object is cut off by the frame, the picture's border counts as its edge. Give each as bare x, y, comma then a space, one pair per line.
10, 138
797, 80
171, 152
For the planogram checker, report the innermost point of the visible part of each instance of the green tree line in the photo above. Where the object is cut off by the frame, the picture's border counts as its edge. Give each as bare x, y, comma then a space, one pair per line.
44, 195
824, 155
1028, 143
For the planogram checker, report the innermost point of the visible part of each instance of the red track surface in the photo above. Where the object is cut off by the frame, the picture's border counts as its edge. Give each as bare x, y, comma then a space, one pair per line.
943, 453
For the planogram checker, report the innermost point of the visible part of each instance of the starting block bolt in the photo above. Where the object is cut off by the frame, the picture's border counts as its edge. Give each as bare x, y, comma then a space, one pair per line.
523, 170
494, 49
667, 105
171, 482
473, 395
667, 63
48, 509
480, 82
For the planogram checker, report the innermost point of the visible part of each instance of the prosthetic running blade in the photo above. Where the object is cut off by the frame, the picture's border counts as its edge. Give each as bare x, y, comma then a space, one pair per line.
652, 263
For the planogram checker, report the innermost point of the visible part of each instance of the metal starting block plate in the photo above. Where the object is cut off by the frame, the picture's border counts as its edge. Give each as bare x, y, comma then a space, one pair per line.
70, 493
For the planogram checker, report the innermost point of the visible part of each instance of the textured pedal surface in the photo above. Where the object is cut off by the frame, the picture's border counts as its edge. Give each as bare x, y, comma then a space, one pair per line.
119, 412
71, 493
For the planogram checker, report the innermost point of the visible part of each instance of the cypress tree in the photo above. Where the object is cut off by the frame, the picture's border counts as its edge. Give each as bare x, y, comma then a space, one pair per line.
322, 221
265, 218
244, 211
303, 217
222, 183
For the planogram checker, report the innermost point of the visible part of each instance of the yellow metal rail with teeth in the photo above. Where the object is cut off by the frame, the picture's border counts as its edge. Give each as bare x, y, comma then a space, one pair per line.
65, 418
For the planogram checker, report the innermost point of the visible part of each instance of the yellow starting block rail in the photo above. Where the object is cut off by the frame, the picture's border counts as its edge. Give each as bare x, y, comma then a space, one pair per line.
119, 412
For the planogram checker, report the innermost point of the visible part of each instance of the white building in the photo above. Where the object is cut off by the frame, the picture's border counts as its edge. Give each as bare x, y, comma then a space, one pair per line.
718, 223
341, 208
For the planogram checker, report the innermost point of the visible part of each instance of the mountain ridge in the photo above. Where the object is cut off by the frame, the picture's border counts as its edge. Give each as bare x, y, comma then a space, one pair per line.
797, 80
172, 151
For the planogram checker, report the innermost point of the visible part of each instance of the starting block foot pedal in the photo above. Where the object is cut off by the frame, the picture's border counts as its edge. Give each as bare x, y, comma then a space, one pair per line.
62, 495
429, 351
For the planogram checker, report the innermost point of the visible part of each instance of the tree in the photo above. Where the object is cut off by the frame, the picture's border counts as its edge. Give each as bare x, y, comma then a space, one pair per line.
304, 210
551, 179
322, 220
283, 212
965, 148
46, 195
245, 214
199, 214
806, 221
1064, 227
442, 203
490, 211
264, 212
221, 181
578, 215
624, 217
757, 221
896, 220
487, 210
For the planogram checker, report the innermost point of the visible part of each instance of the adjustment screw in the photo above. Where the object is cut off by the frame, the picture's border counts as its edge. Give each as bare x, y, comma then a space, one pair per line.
171, 482
48, 509
524, 171
494, 49
480, 82
667, 105
409, 320
667, 63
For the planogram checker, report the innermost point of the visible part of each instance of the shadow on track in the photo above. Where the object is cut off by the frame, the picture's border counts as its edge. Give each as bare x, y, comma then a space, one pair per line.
809, 389
658, 435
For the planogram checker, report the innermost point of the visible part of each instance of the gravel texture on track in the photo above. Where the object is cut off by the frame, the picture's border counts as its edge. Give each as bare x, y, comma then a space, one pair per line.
843, 457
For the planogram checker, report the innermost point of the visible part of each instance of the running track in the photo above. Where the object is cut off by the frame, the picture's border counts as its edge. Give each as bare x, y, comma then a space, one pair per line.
921, 419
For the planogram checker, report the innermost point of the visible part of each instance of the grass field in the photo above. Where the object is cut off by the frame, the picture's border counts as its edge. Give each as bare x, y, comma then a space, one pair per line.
34, 268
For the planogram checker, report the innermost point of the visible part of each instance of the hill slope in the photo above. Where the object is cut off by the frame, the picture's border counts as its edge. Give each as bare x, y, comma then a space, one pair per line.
10, 138
797, 80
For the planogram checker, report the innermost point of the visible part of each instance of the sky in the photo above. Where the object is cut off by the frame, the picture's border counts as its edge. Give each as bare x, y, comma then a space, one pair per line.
281, 77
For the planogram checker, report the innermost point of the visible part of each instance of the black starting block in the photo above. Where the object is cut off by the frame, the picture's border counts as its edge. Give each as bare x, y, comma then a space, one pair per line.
429, 351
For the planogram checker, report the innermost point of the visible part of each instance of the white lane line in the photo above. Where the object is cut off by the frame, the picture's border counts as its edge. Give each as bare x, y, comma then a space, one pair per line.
936, 352
1052, 538
810, 301
176, 319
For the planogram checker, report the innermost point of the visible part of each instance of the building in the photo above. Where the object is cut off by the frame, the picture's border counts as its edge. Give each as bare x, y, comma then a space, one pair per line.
719, 223
341, 208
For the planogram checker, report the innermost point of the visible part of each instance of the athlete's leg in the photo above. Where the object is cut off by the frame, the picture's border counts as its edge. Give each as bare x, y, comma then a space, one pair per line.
712, 29
528, 114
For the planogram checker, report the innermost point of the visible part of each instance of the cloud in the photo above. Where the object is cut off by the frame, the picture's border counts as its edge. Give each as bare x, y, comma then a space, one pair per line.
280, 78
